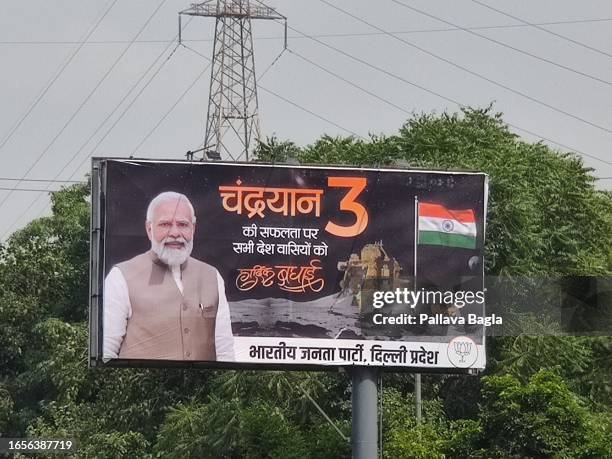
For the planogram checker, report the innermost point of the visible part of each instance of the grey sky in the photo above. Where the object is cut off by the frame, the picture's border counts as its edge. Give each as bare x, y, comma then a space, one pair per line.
37, 37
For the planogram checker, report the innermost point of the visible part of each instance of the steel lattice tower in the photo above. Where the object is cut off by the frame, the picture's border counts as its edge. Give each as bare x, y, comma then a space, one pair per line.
232, 121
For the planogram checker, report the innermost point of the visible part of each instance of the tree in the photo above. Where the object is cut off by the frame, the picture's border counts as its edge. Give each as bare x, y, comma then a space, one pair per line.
546, 218
541, 418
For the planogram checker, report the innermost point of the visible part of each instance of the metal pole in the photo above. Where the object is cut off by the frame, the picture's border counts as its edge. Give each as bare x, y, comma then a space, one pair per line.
417, 396
364, 431
417, 376
380, 414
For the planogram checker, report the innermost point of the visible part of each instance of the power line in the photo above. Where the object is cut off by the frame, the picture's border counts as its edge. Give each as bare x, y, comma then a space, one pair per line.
559, 144
11, 179
505, 45
340, 77
187, 90
74, 115
471, 72
441, 96
347, 81
36, 199
326, 35
152, 130
312, 113
379, 69
537, 26
445, 98
125, 110
26, 189
52, 81
163, 118
65, 126
295, 104
104, 122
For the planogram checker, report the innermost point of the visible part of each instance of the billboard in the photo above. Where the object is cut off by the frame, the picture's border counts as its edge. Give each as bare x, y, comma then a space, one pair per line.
252, 265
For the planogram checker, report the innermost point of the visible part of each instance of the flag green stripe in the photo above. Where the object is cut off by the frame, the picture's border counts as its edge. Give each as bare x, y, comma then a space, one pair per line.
448, 239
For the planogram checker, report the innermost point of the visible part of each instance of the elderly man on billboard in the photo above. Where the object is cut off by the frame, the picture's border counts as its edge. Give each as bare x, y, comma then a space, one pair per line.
164, 304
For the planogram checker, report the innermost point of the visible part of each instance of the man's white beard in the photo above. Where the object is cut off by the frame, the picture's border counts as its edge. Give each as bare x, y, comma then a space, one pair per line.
170, 256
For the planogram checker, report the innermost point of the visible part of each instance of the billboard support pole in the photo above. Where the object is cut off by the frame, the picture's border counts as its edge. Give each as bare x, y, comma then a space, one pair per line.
417, 396
364, 403
417, 376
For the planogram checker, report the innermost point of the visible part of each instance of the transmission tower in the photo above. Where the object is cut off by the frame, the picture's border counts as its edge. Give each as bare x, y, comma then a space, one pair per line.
232, 122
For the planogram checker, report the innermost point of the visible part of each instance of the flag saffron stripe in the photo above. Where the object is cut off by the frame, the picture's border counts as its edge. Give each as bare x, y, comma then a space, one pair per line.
436, 210
451, 240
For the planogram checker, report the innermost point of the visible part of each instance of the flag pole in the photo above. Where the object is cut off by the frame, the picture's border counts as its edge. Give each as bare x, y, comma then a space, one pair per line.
417, 376
416, 236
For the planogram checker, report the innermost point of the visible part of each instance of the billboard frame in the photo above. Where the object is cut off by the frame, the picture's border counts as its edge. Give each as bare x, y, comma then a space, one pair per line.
97, 269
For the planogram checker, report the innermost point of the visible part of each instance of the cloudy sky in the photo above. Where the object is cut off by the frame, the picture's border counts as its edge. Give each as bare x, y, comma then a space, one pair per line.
106, 78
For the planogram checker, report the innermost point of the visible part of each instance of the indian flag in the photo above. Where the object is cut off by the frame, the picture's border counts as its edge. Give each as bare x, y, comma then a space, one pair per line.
441, 226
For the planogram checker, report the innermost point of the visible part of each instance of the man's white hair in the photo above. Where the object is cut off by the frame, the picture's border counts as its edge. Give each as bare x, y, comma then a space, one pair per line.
165, 197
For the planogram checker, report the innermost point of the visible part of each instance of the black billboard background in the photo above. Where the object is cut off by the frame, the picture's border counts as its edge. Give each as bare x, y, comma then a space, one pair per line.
388, 197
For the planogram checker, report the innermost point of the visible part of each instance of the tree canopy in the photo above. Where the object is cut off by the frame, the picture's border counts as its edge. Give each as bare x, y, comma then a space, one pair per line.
545, 396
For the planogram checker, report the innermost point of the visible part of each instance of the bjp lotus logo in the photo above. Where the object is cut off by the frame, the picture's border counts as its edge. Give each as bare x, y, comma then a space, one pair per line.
462, 351
462, 348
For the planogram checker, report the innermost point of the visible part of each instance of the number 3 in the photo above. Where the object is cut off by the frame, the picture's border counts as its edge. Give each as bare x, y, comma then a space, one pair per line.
356, 185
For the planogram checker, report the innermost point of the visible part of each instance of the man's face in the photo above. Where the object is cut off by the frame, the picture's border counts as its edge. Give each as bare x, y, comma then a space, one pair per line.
171, 231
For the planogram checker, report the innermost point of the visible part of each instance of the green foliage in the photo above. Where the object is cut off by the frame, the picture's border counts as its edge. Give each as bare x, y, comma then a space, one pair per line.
325, 442
435, 437
463, 440
199, 430
291, 391
545, 218
540, 418
19, 314
275, 151
229, 429
64, 357
267, 433
48, 259
115, 444
80, 422
403, 437
6, 408
419, 442
584, 362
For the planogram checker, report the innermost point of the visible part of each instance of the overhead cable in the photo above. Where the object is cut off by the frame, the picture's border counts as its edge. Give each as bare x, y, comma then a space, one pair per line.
126, 109
10, 179
87, 98
170, 110
472, 72
447, 98
53, 79
295, 104
347, 81
323, 35
154, 127
36, 199
539, 27
27, 189
505, 45
73, 116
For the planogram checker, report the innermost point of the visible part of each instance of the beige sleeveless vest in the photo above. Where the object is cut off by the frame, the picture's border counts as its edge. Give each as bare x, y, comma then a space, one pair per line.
166, 324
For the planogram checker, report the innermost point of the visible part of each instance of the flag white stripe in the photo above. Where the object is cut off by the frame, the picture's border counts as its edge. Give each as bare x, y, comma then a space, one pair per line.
442, 225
